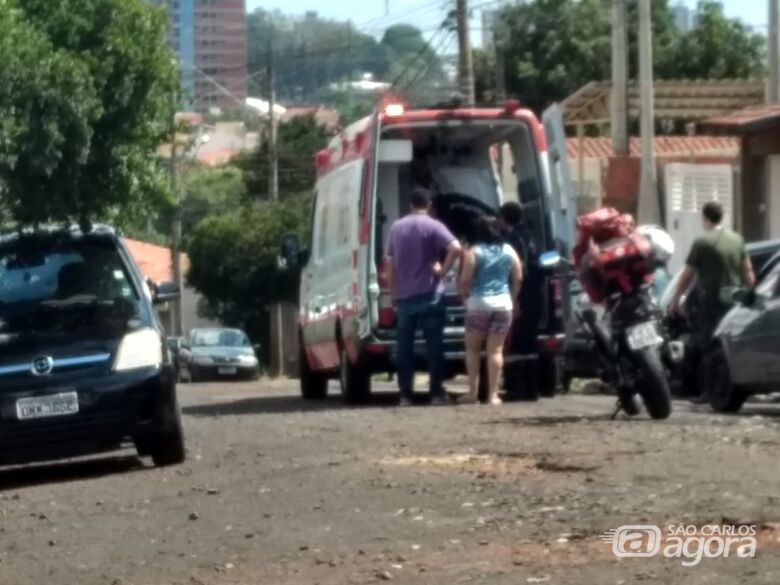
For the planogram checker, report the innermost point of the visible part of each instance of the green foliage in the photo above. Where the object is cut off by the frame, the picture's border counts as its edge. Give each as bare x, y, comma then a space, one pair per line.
554, 47
718, 48
298, 141
315, 52
85, 99
405, 39
233, 261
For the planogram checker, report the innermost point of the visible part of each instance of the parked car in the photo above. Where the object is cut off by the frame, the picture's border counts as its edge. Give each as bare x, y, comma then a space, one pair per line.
745, 356
83, 363
217, 353
687, 376
364, 182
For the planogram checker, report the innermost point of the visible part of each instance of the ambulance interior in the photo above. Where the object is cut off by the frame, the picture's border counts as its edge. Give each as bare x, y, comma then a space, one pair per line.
470, 167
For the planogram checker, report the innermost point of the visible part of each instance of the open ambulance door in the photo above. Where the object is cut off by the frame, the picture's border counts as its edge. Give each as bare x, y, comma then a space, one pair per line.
561, 202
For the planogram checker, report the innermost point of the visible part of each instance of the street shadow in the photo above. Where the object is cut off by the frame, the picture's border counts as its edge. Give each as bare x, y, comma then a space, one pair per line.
67, 471
552, 420
291, 404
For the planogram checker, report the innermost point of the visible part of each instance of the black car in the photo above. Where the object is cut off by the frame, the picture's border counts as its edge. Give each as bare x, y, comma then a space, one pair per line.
84, 367
217, 353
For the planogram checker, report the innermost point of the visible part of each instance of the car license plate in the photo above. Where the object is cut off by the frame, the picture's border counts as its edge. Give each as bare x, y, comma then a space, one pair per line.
227, 371
61, 404
642, 336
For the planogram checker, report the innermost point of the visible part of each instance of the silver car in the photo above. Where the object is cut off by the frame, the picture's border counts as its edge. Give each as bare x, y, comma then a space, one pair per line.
217, 353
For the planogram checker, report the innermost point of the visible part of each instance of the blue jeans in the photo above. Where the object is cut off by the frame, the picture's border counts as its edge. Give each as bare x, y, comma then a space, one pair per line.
428, 312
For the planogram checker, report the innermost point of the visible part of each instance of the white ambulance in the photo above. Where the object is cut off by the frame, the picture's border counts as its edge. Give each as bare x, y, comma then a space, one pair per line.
472, 159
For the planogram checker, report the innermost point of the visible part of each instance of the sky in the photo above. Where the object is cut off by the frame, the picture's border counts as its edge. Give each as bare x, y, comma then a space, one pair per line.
370, 16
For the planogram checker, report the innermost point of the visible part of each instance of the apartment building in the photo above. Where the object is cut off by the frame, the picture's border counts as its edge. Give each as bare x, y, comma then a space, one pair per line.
209, 40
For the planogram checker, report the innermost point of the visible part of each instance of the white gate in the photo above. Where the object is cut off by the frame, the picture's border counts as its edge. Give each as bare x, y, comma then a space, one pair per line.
688, 187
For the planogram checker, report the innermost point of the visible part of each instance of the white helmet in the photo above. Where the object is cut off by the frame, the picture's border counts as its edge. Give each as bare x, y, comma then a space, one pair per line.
662, 242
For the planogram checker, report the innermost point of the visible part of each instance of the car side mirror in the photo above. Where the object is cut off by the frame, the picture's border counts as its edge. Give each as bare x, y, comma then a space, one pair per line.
745, 297
550, 260
164, 292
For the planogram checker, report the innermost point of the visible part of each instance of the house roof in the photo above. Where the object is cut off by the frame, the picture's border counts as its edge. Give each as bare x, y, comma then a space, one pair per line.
679, 99
744, 121
601, 147
153, 260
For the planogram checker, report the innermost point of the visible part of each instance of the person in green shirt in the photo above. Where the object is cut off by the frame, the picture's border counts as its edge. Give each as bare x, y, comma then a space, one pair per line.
719, 264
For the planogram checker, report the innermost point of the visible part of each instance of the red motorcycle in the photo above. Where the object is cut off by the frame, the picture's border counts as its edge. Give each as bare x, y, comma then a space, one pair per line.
614, 263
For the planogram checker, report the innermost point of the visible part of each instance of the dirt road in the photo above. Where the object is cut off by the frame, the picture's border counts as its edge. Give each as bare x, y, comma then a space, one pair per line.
278, 491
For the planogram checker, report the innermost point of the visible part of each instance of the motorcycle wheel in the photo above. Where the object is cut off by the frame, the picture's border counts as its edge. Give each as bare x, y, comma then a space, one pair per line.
653, 384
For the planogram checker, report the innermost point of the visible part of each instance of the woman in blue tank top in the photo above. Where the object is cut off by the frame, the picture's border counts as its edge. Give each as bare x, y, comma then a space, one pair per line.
490, 283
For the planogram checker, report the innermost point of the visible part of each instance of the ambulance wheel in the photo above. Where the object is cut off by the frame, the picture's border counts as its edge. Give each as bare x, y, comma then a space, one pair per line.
314, 385
548, 376
355, 379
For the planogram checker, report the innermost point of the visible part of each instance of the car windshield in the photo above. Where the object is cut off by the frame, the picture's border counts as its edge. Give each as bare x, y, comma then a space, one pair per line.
220, 338
65, 285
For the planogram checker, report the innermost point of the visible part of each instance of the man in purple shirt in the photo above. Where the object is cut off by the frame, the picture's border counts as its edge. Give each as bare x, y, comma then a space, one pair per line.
415, 248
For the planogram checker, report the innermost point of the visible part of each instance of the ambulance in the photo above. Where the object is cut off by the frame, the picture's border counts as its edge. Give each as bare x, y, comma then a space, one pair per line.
472, 159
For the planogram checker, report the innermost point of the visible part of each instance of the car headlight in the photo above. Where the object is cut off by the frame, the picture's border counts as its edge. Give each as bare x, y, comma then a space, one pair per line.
248, 360
204, 360
139, 349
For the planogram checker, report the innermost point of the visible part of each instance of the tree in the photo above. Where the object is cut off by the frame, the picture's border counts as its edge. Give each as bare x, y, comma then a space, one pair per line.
554, 47
405, 39
86, 91
717, 48
315, 52
233, 262
298, 140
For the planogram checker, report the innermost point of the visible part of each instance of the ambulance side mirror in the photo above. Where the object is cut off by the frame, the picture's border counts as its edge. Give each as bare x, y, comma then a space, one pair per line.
291, 255
549, 261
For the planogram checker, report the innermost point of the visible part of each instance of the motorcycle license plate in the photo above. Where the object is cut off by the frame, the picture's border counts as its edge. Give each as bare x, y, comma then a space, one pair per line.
642, 336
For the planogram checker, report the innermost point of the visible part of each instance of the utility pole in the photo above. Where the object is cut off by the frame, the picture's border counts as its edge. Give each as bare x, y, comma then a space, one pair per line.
619, 110
773, 90
499, 46
277, 315
466, 65
648, 209
176, 229
273, 159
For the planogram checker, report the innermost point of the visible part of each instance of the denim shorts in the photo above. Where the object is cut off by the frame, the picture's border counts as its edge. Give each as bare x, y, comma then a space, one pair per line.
489, 322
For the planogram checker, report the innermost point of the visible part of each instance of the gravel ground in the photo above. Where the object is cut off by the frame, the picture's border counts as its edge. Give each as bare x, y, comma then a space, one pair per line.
279, 491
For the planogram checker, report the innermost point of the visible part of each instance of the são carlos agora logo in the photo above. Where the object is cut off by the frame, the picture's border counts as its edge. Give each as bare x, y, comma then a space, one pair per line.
690, 544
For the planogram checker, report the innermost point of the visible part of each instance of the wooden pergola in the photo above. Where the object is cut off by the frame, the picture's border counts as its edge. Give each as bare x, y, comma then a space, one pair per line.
686, 100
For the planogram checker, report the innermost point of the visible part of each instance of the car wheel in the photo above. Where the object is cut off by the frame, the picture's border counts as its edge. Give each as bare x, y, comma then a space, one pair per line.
355, 380
165, 448
314, 385
724, 395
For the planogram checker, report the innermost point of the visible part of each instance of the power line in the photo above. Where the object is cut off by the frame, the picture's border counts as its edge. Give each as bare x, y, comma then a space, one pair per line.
448, 40
423, 49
